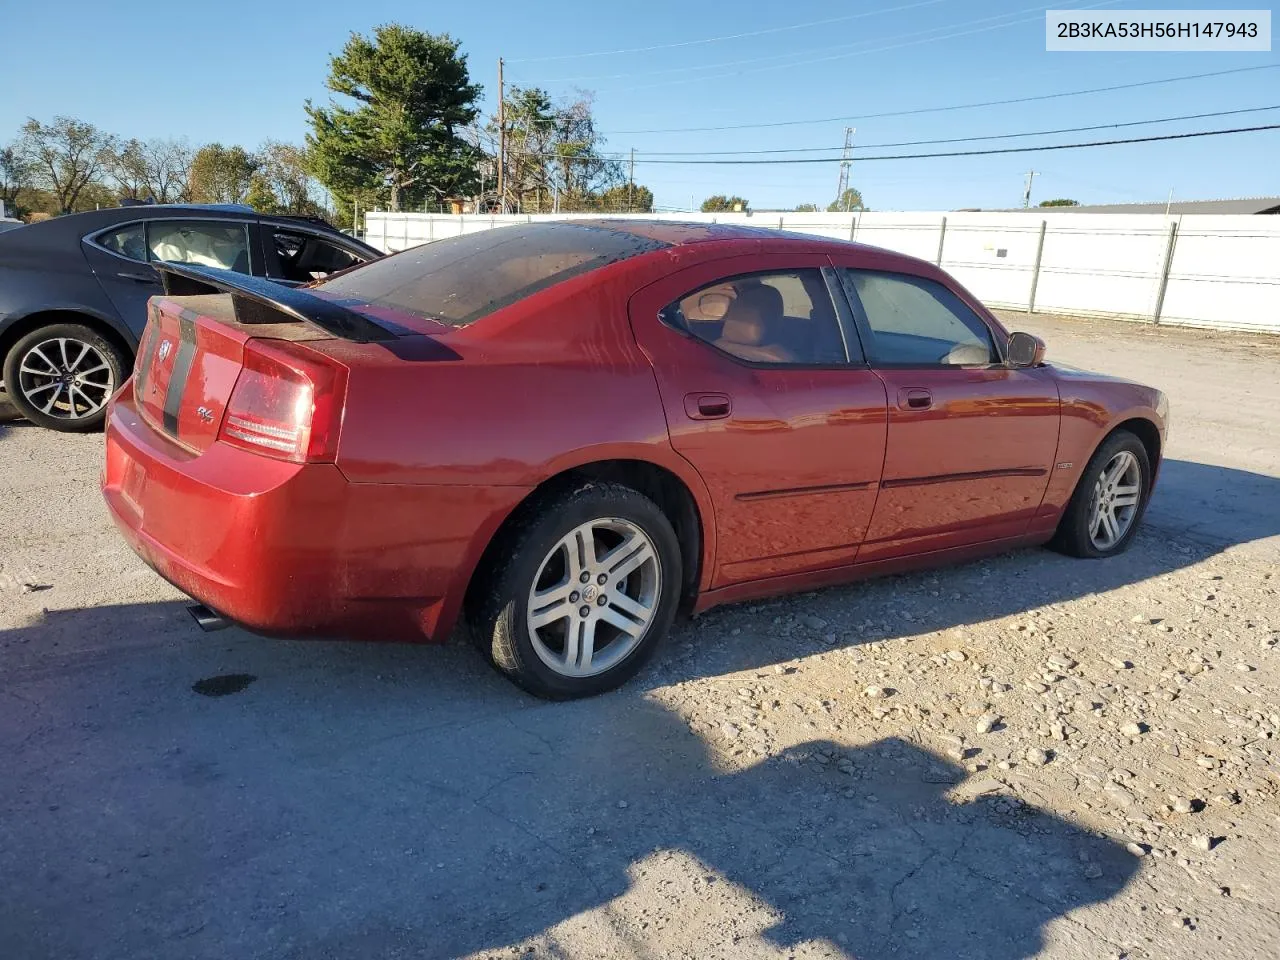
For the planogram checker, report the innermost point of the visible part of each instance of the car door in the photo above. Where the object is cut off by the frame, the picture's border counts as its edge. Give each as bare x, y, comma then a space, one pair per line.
766, 394
121, 257
971, 442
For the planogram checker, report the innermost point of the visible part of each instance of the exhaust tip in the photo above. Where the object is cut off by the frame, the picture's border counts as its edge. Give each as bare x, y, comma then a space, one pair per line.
207, 619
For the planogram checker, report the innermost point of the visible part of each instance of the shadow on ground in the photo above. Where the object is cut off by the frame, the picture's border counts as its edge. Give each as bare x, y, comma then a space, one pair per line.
350, 800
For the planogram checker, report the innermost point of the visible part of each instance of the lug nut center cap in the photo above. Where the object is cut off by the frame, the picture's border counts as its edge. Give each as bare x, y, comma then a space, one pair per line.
589, 593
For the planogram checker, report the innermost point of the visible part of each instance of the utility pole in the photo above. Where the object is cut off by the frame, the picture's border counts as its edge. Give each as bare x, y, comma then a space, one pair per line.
1026, 192
842, 182
502, 143
631, 183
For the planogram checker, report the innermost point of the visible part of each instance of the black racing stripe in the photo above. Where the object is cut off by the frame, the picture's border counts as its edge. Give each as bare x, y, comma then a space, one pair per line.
181, 370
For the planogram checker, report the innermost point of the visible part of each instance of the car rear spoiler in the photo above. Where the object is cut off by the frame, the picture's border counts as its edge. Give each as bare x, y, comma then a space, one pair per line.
262, 301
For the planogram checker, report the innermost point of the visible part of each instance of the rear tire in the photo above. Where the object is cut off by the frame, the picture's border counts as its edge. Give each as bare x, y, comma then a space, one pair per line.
1106, 509
61, 376
561, 627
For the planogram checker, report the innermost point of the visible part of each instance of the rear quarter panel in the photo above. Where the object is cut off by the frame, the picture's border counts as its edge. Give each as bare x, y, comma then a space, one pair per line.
552, 383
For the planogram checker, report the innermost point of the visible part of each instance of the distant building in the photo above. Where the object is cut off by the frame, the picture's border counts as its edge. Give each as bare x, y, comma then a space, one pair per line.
1246, 205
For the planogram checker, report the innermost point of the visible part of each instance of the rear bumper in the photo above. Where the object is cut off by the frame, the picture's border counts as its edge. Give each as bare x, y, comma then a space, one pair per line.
296, 550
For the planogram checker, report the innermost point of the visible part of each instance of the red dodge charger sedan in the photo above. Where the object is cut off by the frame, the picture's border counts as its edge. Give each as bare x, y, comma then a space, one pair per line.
566, 431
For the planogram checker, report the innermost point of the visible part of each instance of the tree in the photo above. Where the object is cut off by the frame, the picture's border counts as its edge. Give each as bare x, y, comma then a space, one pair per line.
260, 196
15, 176
1060, 203
167, 166
720, 203
851, 199
128, 168
807, 208
626, 199
221, 174
65, 156
283, 183
412, 93
554, 156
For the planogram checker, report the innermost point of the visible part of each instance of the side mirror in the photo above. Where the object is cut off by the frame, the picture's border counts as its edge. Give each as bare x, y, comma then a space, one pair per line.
1025, 350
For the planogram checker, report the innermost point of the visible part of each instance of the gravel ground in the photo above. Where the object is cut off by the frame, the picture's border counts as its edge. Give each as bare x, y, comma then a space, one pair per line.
1027, 756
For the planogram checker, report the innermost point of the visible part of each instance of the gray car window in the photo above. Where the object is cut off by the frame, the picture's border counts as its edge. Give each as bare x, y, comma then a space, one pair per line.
125, 242
221, 245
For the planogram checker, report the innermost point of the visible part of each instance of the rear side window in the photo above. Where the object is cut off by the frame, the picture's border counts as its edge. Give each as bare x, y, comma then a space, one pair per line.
125, 242
783, 318
460, 280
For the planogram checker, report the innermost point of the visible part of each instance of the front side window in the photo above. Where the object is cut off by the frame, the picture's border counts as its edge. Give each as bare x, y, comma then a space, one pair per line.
916, 322
463, 279
304, 257
125, 242
775, 318
221, 245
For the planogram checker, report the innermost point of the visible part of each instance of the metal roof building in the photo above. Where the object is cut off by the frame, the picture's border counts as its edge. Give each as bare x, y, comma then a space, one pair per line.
1246, 205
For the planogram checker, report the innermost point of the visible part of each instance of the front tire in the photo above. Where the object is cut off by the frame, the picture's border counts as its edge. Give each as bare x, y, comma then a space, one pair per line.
581, 592
61, 376
1109, 500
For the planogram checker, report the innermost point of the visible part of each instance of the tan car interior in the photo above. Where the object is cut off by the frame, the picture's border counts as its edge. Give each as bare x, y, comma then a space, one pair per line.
747, 326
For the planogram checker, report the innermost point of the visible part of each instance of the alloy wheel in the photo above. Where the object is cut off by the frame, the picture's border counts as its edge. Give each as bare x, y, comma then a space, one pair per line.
65, 378
594, 597
1116, 497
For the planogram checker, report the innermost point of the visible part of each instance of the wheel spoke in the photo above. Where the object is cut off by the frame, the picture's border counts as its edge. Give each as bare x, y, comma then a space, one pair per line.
31, 391
640, 554
62, 348
1124, 500
549, 606
91, 404
587, 648
613, 615
573, 644
37, 352
101, 366
632, 608
1109, 523
581, 549
52, 400
84, 350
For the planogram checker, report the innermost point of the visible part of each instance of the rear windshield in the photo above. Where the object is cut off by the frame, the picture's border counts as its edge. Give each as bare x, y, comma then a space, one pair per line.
459, 280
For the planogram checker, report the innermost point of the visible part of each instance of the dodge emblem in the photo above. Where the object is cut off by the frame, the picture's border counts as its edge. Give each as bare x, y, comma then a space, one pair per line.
165, 347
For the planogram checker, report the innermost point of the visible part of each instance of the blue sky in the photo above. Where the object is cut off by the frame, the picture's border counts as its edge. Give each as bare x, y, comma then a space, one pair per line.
239, 72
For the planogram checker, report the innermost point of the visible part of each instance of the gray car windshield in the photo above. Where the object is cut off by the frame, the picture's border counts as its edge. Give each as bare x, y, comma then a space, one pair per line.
459, 280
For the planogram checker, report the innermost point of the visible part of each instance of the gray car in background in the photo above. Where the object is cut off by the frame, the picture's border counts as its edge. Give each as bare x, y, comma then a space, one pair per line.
74, 291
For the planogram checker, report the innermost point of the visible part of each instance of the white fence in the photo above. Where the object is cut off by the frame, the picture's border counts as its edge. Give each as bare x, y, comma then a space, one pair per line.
1191, 270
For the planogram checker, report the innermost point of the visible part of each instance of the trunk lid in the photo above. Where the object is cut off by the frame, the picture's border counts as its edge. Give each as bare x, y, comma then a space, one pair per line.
190, 357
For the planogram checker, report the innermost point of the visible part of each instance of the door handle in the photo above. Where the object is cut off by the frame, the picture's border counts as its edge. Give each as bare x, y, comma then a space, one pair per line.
915, 398
137, 277
707, 406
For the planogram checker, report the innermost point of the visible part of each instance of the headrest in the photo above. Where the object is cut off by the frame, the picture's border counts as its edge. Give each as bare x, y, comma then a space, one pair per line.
744, 328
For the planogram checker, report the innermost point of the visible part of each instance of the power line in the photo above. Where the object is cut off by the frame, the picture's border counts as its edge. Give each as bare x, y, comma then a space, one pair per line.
978, 153
994, 136
731, 36
858, 48
957, 106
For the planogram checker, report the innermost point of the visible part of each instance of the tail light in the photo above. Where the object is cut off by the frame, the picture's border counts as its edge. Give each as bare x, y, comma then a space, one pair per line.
287, 403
